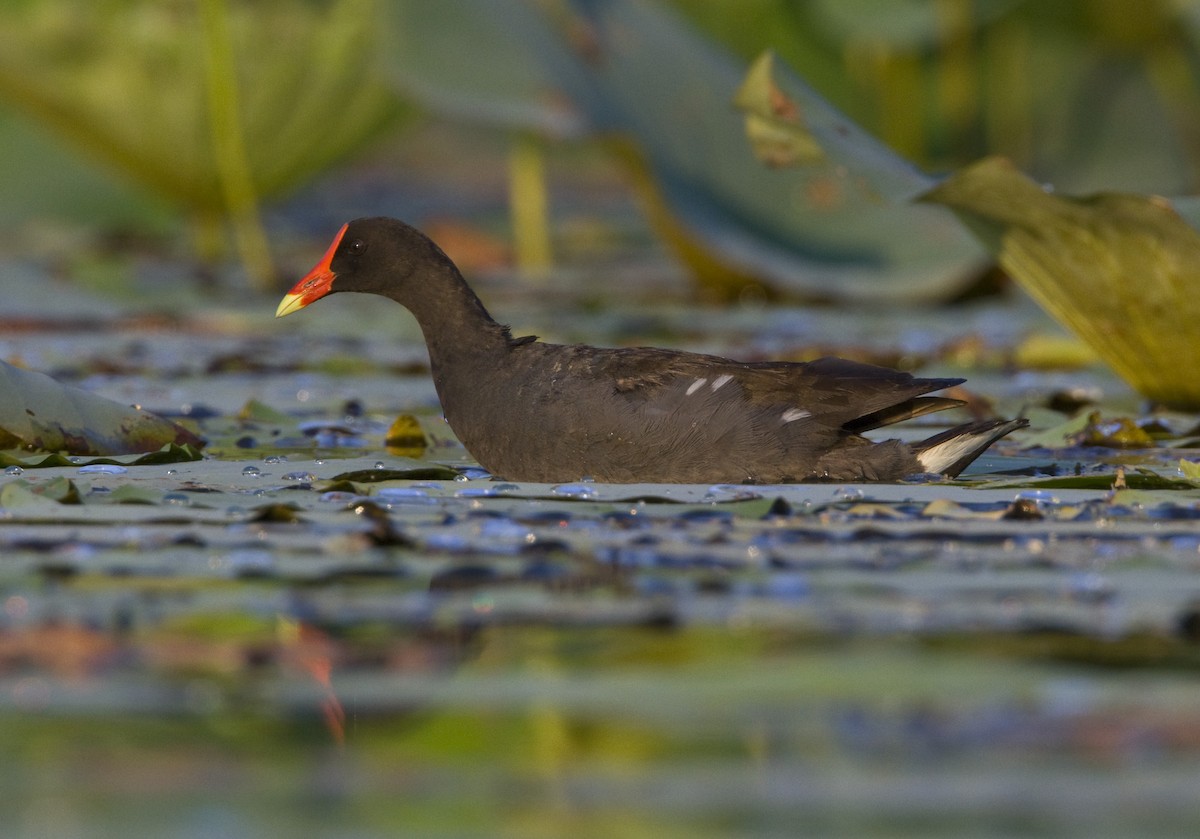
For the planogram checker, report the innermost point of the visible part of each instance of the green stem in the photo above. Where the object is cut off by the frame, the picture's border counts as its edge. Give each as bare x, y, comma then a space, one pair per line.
528, 206
229, 148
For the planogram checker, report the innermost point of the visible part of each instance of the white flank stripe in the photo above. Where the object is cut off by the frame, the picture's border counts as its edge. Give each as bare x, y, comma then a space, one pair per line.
793, 414
696, 385
720, 381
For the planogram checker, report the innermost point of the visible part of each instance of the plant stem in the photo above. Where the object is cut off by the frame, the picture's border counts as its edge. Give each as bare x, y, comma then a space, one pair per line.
229, 148
528, 206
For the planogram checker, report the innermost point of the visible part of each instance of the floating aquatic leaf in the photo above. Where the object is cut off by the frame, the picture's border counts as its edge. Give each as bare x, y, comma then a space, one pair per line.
131, 494
259, 412
405, 437
1115, 433
170, 453
21, 491
1119, 270
418, 471
38, 413
1059, 436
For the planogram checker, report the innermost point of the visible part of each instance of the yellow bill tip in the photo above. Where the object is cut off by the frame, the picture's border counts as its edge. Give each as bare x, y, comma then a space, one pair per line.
290, 303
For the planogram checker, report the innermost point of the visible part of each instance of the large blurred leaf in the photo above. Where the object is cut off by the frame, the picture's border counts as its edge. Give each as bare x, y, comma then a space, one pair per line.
1122, 271
635, 70
492, 61
827, 229
42, 177
126, 82
38, 413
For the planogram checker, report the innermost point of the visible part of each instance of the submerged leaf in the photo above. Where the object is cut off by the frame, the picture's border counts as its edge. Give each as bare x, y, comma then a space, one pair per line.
1119, 270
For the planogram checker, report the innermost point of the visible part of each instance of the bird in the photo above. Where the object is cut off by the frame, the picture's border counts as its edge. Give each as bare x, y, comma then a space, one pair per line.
533, 411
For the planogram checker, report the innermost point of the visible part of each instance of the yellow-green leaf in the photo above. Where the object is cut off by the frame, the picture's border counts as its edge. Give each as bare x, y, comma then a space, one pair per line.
1119, 270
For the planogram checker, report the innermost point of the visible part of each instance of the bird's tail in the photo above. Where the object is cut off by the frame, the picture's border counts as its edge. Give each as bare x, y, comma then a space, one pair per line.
952, 451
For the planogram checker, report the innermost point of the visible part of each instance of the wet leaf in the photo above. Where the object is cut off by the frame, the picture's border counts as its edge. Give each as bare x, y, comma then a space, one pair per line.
405, 437
170, 453
255, 411
22, 492
1115, 433
1059, 436
38, 413
1190, 469
416, 472
130, 494
1119, 270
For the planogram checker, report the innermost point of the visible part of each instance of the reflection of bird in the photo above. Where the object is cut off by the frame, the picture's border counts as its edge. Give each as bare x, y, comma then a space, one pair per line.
533, 411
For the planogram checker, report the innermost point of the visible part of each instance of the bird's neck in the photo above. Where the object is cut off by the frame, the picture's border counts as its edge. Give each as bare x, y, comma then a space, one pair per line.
454, 322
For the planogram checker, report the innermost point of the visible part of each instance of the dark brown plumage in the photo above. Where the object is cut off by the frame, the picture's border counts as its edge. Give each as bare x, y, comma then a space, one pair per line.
532, 411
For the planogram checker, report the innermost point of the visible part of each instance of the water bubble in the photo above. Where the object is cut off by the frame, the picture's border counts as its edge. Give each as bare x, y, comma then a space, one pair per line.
1039, 496
379, 464
405, 495
575, 491
300, 477
14, 470
728, 492
274, 458
178, 498
475, 473
103, 469
172, 471
402, 492
475, 492
252, 471
849, 494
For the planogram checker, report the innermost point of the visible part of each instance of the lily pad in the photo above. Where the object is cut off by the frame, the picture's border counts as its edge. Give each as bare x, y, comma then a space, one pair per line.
1119, 270
38, 413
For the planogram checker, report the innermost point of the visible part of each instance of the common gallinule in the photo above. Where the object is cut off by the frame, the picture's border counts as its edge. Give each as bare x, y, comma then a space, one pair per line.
531, 411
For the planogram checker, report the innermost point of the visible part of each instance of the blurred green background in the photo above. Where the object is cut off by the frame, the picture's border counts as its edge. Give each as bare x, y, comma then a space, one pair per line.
128, 117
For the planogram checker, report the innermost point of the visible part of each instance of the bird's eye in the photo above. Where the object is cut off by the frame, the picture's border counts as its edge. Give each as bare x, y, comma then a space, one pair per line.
357, 246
